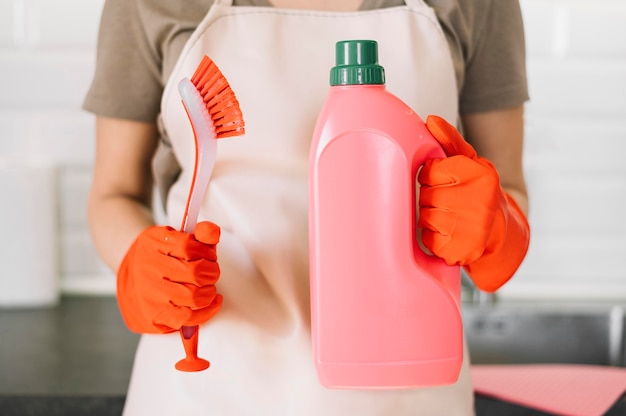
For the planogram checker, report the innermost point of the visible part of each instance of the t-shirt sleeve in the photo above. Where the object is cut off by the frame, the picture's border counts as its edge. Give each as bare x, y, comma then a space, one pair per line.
495, 72
127, 82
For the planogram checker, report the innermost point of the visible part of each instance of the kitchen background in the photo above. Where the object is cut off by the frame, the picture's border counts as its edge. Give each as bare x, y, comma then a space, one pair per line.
576, 142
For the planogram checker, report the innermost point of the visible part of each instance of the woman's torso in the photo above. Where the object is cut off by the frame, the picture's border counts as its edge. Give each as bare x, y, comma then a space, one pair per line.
260, 342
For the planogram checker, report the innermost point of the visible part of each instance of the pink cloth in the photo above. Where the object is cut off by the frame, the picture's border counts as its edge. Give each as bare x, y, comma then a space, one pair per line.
568, 390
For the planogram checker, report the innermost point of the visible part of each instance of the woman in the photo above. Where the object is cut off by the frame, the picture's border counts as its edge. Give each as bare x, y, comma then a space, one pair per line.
461, 60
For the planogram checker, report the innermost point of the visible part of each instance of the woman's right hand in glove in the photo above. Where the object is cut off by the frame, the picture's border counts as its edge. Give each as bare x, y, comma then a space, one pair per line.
167, 279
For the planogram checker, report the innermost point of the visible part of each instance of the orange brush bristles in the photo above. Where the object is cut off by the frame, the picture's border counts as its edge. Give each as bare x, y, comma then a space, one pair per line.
220, 101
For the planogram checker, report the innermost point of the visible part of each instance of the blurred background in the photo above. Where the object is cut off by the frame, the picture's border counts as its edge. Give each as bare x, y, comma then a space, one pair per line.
574, 158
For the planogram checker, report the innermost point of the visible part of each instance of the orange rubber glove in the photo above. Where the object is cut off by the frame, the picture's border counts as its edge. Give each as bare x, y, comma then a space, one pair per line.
466, 217
167, 279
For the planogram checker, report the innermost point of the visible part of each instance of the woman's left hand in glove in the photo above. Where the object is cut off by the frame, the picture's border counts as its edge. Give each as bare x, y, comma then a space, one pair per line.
466, 218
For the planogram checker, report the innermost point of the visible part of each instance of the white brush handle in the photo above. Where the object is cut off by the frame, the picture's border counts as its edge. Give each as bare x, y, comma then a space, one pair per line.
206, 149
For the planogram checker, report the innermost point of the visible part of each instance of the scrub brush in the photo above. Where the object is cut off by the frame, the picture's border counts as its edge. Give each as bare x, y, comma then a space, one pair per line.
214, 113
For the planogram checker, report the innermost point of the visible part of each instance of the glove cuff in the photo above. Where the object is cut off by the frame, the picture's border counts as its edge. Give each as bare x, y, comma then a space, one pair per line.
127, 300
495, 268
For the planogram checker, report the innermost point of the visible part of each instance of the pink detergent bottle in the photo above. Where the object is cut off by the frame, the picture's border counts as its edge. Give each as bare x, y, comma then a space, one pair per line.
384, 314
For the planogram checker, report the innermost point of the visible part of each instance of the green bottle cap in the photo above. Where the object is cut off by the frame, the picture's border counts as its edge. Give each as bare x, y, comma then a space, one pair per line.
356, 63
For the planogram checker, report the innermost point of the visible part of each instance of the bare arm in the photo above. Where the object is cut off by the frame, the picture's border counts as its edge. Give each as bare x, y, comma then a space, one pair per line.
499, 136
121, 192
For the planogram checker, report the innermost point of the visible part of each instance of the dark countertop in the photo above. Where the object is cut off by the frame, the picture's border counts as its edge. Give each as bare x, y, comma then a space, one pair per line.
76, 359
81, 347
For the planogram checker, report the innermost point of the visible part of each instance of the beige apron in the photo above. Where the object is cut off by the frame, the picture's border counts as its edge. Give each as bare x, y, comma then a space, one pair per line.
277, 62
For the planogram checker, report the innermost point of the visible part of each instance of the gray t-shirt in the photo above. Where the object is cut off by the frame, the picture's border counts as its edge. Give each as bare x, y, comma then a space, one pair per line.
140, 41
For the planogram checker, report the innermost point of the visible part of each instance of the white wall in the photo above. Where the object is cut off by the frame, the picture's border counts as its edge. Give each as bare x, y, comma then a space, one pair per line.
576, 136
576, 150
47, 51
